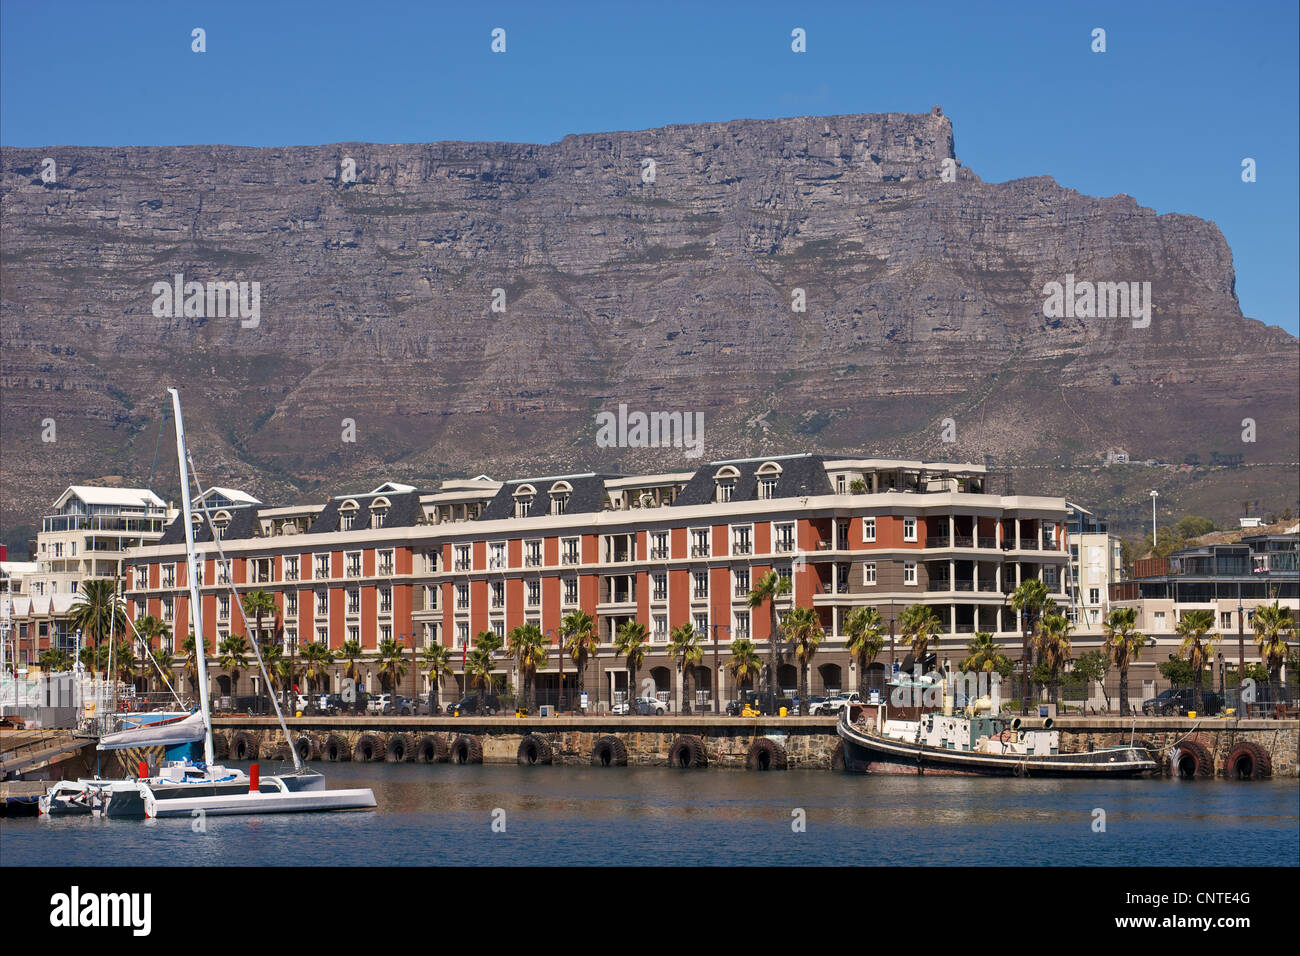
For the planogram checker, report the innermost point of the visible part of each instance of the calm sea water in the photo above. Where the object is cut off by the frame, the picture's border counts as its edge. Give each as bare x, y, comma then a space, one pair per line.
443, 815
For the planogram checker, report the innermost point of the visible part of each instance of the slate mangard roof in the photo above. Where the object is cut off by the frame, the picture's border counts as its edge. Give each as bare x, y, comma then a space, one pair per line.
802, 475
588, 496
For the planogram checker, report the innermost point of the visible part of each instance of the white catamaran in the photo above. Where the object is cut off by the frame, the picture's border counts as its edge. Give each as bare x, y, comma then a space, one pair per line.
182, 786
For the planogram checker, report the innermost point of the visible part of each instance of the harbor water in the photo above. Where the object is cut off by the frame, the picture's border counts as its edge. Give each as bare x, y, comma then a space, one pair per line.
449, 815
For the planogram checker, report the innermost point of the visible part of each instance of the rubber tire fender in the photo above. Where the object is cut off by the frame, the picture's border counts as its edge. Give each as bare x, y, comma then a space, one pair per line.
687, 751
1195, 751
431, 749
467, 749
243, 746
220, 746
766, 754
534, 751
609, 751
336, 749
307, 747
399, 749
1248, 761
369, 749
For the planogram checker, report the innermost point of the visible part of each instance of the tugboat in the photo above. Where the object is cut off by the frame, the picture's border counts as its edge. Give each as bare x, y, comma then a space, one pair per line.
903, 736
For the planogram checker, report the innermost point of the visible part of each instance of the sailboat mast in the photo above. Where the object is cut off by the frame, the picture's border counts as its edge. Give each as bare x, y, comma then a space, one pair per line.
196, 609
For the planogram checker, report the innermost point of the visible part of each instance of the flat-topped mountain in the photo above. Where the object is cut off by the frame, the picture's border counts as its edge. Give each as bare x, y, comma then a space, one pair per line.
471, 307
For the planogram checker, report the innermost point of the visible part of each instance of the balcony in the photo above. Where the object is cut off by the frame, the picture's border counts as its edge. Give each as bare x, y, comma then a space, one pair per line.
498, 603
987, 542
823, 545
658, 553
699, 551
965, 541
496, 563
533, 561
741, 547
462, 565
741, 591
569, 558
700, 594
659, 596
937, 541
1028, 544
784, 546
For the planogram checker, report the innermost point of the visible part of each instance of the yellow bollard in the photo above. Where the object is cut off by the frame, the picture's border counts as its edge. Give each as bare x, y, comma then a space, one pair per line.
783, 712
1191, 714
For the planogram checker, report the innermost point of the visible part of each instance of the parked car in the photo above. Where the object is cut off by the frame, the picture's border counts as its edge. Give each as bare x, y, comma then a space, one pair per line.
813, 703
835, 703
476, 705
1177, 701
379, 703
651, 707
402, 707
620, 708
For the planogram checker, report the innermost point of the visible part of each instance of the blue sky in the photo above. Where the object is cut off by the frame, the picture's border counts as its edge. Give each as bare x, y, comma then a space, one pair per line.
1184, 91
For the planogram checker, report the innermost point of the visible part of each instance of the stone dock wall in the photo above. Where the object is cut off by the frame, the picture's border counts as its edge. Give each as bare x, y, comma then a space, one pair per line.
727, 742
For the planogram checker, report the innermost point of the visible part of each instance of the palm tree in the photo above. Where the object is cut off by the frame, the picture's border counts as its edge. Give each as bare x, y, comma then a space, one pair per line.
920, 626
124, 660
1124, 644
629, 642
479, 663
744, 661
152, 630
437, 659
1028, 601
392, 665
1198, 646
165, 661
1053, 642
316, 659
528, 648
54, 660
864, 630
580, 641
257, 604
685, 649
98, 613
192, 660
350, 652
984, 654
1273, 624
803, 628
231, 656
770, 587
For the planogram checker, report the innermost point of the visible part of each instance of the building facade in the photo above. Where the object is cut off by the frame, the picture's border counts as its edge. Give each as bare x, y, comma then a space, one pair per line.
85, 536
483, 555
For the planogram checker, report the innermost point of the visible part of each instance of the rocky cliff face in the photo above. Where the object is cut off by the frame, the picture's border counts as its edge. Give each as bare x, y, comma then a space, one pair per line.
665, 286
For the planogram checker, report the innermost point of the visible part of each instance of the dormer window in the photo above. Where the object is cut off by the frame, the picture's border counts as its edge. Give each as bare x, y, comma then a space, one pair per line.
347, 515
560, 493
524, 500
220, 523
724, 483
378, 512
768, 474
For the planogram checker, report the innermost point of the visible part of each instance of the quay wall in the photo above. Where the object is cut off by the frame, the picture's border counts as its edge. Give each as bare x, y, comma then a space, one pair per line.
728, 742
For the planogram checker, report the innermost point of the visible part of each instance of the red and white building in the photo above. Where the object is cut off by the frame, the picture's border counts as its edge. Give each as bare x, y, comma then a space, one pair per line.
442, 566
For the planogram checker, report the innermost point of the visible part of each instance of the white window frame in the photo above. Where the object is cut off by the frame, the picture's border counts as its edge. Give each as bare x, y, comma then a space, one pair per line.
748, 530
912, 535
348, 557
869, 573
322, 603
497, 557
318, 559
869, 529
708, 542
909, 570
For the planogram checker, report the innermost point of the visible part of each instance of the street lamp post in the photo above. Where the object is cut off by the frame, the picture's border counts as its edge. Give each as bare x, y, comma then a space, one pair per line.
1154, 496
715, 668
1220, 674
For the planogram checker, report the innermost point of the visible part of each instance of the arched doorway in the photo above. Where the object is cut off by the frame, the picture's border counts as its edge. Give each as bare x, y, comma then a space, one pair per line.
663, 683
832, 680
787, 679
875, 678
